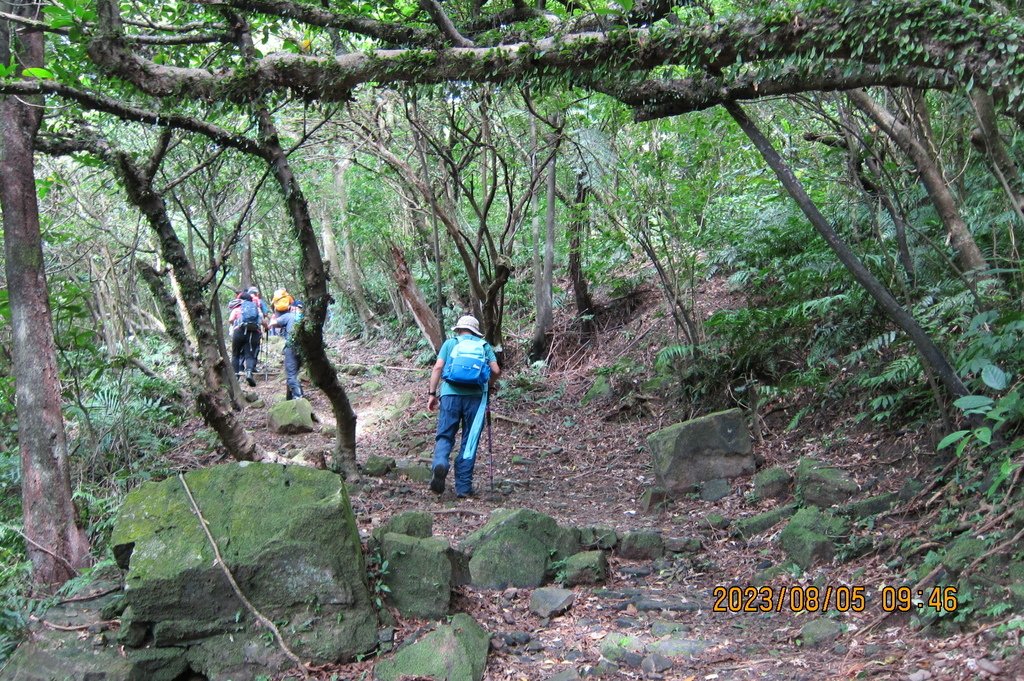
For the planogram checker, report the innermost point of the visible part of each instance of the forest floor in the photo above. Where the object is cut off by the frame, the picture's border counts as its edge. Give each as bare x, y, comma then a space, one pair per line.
588, 466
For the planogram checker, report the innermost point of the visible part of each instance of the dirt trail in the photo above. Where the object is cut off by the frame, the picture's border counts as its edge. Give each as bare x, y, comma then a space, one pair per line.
555, 456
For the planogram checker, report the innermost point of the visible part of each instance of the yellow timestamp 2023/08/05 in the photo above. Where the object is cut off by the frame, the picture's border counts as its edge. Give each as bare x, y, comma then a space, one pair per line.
842, 598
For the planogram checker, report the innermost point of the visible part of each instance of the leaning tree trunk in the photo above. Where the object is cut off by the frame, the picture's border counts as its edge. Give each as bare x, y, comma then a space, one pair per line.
414, 300
55, 544
927, 348
962, 240
212, 400
310, 333
987, 137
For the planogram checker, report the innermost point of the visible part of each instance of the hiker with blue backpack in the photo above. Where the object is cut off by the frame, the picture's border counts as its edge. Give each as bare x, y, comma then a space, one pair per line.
287, 321
246, 321
465, 371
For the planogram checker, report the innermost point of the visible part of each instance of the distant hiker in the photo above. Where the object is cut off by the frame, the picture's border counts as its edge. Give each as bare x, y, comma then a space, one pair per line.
280, 304
246, 320
286, 322
468, 368
255, 294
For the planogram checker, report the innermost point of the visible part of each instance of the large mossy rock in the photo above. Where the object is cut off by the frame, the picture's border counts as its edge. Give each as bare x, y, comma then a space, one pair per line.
452, 652
810, 536
517, 547
413, 523
290, 417
707, 448
288, 536
823, 486
50, 653
419, 574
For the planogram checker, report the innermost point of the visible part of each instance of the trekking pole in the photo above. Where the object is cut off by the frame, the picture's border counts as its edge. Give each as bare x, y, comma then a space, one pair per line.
266, 341
490, 451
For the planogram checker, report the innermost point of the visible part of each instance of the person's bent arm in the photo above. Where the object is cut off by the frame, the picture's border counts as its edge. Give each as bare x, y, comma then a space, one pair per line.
435, 383
495, 373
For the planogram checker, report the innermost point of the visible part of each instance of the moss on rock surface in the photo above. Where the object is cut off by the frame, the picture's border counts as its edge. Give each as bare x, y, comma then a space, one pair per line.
517, 548
291, 416
419, 574
453, 652
288, 536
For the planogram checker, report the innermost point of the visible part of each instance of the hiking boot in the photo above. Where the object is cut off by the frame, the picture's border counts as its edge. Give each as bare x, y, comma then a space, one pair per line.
437, 479
249, 379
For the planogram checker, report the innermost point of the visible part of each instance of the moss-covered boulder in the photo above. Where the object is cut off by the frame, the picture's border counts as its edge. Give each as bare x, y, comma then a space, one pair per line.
413, 523
823, 486
288, 536
707, 448
586, 567
641, 545
810, 536
517, 547
290, 417
452, 652
600, 389
864, 508
598, 538
772, 483
378, 466
419, 574
756, 524
820, 632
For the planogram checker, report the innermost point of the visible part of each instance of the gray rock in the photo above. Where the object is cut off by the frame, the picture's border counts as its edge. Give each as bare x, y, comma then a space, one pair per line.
682, 544
653, 499
772, 482
823, 486
615, 647
810, 537
655, 664
678, 646
452, 652
706, 448
715, 490
566, 675
820, 632
641, 545
660, 628
551, 601
645, 604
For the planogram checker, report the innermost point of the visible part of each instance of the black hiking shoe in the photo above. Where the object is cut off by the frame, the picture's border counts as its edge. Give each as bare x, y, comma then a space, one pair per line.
249, 379
437, 479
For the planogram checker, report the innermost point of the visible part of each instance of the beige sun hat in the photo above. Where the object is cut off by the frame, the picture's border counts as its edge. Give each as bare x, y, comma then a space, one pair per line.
468, 323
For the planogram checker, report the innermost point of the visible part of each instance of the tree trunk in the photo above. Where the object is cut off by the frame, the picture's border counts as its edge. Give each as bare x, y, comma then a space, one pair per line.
929, 352
55, 544
987, 137
543, 284
581, 292
968, 253
310, 333
212, 400
414, 300
351, 279
247, 268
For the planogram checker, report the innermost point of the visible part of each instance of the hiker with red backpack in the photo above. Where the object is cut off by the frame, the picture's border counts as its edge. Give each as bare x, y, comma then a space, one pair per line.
465, 371
246, 321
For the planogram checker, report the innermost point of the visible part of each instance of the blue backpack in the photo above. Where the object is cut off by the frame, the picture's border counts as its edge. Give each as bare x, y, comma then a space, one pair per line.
250, 314
467, 365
